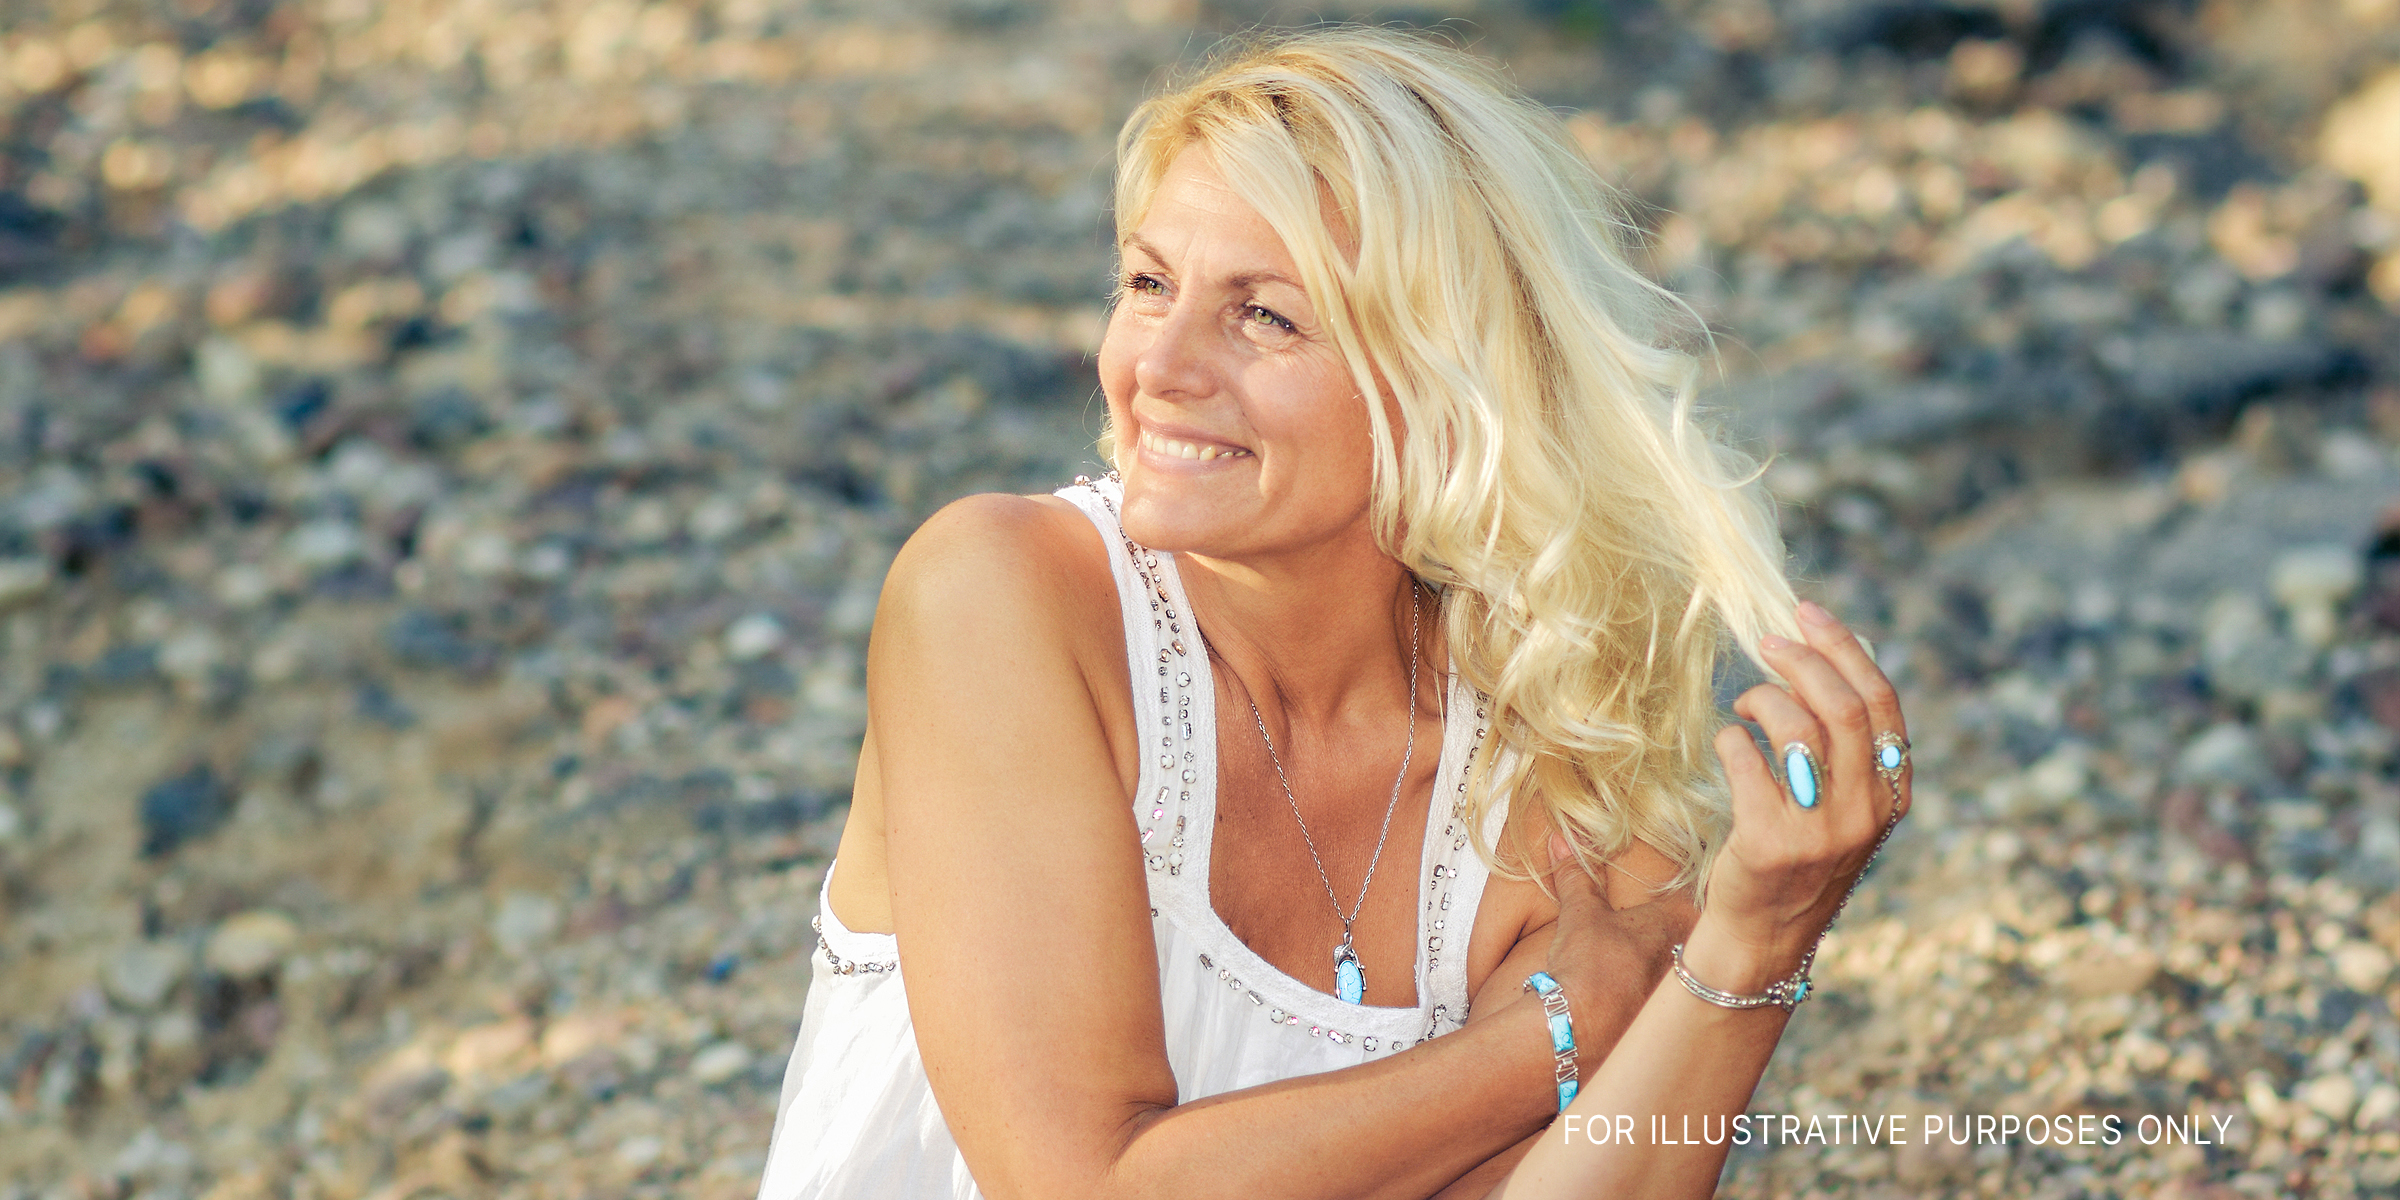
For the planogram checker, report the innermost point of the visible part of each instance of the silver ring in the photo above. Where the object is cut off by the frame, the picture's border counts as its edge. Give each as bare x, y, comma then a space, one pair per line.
1891, 758
1800, 775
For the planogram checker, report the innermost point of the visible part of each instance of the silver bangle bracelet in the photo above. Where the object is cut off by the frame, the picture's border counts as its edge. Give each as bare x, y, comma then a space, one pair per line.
1783, 993
1787, 993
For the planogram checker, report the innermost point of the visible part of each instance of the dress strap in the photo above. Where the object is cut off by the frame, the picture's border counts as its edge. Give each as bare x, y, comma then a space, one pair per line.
1173, 715
1454, 874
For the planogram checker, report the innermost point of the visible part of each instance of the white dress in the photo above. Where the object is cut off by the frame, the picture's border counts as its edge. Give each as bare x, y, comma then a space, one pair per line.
857, 1117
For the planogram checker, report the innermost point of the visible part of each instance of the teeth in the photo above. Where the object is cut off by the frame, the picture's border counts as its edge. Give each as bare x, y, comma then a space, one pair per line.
1189, 450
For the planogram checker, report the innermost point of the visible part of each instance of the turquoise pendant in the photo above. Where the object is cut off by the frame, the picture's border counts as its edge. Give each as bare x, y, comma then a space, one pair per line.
1349, 979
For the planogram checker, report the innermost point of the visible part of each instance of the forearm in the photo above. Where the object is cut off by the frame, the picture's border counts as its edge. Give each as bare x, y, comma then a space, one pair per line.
1682, 1057
1402, 1127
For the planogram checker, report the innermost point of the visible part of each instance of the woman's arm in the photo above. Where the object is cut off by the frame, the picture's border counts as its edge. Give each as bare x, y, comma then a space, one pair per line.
1782, 877
1019, 902
1618, 932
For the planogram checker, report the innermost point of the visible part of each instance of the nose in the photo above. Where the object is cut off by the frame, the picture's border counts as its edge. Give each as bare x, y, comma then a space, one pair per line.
1175, 363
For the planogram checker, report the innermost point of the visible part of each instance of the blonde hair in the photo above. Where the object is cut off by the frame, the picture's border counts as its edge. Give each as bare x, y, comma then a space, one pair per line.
1595, 549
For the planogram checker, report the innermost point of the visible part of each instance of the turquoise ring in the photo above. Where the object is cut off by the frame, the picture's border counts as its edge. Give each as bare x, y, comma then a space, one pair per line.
1891, 758
1800, 775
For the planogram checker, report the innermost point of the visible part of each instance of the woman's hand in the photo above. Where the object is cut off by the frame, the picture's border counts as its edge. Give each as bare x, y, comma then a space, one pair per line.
1608, 958
1785, 870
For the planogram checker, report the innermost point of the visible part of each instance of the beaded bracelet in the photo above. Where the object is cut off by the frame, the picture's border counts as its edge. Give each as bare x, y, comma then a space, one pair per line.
1562, 1033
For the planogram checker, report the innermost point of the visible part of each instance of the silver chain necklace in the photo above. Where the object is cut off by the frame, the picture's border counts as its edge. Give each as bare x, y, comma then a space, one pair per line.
1349, 978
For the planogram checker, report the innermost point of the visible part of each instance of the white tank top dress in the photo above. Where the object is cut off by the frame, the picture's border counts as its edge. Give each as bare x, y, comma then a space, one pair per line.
857, 1118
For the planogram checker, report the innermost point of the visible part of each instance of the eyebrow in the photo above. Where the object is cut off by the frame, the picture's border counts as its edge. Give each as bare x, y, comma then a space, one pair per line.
1245, 279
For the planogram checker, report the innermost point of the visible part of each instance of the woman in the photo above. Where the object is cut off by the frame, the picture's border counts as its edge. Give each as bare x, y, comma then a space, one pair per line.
1140, 802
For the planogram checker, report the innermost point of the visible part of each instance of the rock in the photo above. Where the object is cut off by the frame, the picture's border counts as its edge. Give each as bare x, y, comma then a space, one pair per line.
2358, 136
2226, 753
250, 944
243, 585
2380, 1104
2362, 966
2207, 375
173, 1050
2311, 583
720, 1063
524, 921
140, 975
2331, 1096
432, 641
2245, 655
753, 636
324, 543
639, 1152
226, 373
21, 580
2117, 973
179, 809
190, 656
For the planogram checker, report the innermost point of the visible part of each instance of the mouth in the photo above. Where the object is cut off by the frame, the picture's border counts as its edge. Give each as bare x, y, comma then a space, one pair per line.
1200, 451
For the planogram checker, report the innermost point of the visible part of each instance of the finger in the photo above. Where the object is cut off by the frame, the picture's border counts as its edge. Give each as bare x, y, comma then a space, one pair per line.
1760, 808
1849, 655
1580, 897
1789, 723
1846, 756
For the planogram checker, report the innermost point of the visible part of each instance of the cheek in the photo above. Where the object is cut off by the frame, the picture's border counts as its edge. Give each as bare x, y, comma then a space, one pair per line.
1115, 360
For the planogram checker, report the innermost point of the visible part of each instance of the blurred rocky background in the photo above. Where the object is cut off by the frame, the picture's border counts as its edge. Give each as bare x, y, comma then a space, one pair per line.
449, 450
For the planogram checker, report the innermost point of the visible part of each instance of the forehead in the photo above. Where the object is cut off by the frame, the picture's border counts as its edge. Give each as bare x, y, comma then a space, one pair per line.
1196, 212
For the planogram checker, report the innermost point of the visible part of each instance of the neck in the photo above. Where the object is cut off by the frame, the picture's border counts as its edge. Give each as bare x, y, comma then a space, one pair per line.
1321, 638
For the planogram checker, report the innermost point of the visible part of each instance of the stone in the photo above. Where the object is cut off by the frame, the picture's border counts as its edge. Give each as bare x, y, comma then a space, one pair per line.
140, 975
2362, 966
524, 921
720, 1062
1349, 981
324, 543
2380, 1104
251, 944
183, 807
2331, 1096
174, 1049
2225, 753
22, 580
1800, 775
640, 1151
2311, 583
753, 636
189, 656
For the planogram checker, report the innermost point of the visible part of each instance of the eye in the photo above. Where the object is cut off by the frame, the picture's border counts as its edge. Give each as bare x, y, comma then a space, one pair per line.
1259, 314
1145, 285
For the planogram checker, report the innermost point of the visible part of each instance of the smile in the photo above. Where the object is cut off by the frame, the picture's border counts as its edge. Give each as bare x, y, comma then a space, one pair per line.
1201, 451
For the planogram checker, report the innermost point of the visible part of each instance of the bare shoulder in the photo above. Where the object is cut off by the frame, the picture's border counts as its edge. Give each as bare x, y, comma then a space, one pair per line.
1027, 570
999, 544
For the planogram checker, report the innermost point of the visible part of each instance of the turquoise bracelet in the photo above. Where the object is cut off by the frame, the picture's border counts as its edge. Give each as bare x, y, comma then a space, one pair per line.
1562, 1032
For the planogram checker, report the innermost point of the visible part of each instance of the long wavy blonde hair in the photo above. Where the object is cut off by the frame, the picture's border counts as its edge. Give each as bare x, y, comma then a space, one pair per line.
1595, 549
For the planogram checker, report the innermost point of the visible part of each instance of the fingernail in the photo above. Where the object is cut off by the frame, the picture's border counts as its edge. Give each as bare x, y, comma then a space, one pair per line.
1814, 613
1772, 642
1559, 850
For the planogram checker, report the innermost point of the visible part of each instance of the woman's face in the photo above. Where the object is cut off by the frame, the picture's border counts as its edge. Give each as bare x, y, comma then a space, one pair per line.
1239, 431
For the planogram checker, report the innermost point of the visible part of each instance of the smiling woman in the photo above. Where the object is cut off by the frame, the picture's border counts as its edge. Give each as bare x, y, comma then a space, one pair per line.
1410, 532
